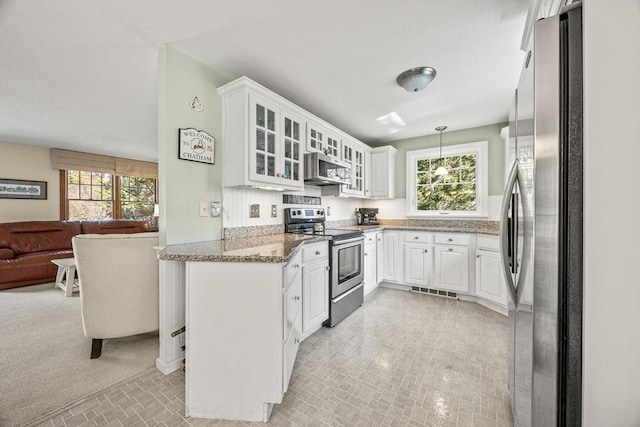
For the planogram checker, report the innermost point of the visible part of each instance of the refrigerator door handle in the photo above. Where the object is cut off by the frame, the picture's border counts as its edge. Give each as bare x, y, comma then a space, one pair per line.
507, 231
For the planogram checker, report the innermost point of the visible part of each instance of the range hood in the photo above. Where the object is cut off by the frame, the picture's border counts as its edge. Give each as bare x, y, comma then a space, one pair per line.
320, 169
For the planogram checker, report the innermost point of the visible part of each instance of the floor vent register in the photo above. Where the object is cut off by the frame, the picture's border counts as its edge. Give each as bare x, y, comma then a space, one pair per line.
436, 292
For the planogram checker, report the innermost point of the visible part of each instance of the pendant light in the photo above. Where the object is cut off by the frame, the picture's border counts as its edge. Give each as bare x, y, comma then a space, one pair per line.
441, 171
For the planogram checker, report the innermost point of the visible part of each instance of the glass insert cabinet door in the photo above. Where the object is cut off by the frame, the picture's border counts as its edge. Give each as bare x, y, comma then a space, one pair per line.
292, 137
263, 130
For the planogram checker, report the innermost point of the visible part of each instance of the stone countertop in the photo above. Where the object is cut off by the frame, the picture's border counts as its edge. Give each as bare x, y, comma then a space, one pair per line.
281, 246
272, 248
479, 229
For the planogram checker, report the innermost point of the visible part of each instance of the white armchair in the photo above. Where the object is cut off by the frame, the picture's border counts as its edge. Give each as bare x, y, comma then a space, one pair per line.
118, 275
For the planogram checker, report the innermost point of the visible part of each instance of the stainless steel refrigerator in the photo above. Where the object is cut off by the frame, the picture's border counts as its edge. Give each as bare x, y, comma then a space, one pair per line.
541, 228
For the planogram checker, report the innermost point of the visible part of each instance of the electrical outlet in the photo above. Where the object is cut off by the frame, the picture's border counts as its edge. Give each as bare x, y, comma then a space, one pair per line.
203, 209
274, 212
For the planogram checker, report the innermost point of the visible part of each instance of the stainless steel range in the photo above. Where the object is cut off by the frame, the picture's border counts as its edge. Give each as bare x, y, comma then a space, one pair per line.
346, 259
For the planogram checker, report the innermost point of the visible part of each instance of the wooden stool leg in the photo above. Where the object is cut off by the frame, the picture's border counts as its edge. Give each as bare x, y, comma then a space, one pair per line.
59, 277
96, 348
71, 274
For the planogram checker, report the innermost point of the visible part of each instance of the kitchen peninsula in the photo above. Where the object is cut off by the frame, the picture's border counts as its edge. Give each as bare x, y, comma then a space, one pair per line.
247, 303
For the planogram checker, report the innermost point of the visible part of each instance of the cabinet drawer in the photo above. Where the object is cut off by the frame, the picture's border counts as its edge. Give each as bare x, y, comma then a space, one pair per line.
292, 269
417, 237
452, 239
292, 307
489, 242
290, 351
315, 252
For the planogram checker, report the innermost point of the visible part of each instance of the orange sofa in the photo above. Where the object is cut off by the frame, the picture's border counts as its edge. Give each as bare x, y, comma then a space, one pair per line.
27, 248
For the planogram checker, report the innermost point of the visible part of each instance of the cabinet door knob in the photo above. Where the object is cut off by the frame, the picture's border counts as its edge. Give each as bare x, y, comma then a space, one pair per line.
426, 251
416, 238
296, 341
327, 268
477, 256
450, 239
365, 254
317, 252
450, 250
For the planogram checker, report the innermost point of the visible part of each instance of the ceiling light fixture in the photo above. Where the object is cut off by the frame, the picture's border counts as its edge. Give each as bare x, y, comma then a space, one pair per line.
416, 79
441, 171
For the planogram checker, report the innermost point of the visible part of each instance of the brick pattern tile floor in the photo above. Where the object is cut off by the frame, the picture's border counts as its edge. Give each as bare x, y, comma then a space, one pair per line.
402, 359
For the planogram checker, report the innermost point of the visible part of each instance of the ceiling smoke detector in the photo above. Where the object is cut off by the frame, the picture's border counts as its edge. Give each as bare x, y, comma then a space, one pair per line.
416, 79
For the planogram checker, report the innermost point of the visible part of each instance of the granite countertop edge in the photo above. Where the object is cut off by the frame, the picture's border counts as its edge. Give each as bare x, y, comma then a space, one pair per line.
210, 251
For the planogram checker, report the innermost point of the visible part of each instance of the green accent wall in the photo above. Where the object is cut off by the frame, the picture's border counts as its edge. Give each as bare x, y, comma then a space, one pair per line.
490, 133
183, 184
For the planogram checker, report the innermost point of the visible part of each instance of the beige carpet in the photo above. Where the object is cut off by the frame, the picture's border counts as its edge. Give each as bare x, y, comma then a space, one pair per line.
44, 355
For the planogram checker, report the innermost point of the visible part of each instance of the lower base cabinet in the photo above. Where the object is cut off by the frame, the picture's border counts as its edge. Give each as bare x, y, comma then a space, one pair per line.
490, 282
315, 286
370, 261
315, 296
238, 356
451, 270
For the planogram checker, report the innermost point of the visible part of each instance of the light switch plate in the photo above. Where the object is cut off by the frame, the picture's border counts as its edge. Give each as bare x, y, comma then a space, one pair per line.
254, 211
203, 209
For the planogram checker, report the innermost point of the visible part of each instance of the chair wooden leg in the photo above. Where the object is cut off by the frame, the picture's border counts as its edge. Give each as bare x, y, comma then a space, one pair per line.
96, 348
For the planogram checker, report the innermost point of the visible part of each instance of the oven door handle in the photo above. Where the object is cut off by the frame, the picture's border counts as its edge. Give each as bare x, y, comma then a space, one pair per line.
347, 241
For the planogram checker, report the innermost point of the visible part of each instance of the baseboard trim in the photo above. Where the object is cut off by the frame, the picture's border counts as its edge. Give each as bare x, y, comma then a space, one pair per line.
167, 368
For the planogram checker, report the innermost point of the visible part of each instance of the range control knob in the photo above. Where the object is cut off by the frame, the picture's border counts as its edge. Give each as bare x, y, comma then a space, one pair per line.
299, 212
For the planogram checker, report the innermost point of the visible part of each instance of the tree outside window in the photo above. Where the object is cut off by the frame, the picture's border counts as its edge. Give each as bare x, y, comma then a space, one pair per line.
455, 191
97, 196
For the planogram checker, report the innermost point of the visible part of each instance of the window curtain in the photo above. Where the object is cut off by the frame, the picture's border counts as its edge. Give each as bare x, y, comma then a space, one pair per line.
76, 160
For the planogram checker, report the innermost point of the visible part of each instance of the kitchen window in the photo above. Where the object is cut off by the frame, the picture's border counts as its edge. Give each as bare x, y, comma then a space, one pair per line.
460, 193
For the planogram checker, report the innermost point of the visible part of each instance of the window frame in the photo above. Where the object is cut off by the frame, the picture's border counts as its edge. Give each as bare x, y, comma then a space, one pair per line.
117, 202
479, 149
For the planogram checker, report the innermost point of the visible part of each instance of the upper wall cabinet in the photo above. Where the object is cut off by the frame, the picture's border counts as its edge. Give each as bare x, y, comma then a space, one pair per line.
354, 153
322, 140
381, 184
263, 136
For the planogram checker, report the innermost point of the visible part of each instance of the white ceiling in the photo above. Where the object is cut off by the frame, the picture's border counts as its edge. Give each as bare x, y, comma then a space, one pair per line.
82, 74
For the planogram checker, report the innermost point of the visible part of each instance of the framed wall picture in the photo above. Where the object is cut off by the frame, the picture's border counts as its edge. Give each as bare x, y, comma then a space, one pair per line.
196, 145
22, 189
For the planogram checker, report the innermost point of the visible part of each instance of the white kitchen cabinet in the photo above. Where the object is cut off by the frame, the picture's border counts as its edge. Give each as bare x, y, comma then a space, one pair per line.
451, 270
490, 283
264, 138
239, 358
417, 264
315, 287
370, 260
292, 318
322, 140
354, 154
392, 257
417, 258
379, 257
382, 181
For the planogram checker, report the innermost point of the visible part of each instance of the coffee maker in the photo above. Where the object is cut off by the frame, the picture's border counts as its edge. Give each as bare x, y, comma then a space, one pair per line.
367, 216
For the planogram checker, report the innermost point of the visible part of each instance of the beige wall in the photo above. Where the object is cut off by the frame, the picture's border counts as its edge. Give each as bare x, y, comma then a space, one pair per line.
27, 162
611, 335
